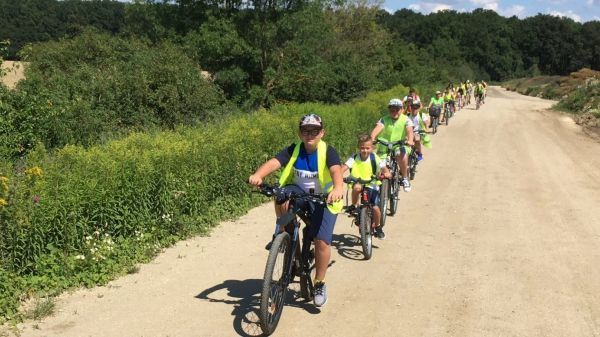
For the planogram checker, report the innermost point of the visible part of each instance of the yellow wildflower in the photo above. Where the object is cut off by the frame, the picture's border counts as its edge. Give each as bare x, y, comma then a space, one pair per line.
34, 171
4, 183
3, 202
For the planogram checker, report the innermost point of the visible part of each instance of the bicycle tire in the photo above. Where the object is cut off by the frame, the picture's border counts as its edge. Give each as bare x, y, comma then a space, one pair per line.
366, 234
306, 284
412, 166
434, 126
272, 299
393, 195
383, 199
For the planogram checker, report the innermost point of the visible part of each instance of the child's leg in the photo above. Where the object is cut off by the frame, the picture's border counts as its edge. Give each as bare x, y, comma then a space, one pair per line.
376, 216
356, 189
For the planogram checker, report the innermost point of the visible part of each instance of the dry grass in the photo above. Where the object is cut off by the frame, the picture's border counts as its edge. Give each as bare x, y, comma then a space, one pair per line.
553, 87
14, 73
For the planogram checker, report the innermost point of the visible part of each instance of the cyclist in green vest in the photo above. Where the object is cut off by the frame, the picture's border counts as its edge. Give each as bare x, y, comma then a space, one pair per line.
364, 165
435, 105
394, 127
310, 165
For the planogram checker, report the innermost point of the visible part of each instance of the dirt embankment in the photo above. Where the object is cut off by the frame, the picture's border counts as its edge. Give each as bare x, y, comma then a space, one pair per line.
579, 93
14, 72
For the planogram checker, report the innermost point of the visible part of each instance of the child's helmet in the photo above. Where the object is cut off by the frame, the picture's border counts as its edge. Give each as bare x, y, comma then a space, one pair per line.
395, 102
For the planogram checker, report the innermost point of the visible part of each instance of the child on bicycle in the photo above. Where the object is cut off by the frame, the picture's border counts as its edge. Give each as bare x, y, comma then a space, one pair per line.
419, 124
365, 165
394, 127
435, 105
310, 165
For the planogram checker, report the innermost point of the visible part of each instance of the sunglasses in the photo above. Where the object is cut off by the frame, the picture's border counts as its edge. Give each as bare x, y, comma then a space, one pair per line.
311, 132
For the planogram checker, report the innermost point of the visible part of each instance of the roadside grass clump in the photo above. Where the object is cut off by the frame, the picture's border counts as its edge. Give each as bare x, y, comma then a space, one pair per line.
82, 216
41, 307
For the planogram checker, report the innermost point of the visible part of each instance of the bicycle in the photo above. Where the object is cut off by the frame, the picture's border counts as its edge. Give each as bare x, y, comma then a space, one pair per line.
413, 160
477, 101
447, 112
287, 257
435, 117
363, 216
390, 188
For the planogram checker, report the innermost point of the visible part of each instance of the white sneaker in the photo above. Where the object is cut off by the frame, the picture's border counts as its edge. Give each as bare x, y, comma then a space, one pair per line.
406, 184
320, 294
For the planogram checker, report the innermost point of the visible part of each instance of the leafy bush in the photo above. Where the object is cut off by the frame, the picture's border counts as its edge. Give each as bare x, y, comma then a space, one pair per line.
90, 88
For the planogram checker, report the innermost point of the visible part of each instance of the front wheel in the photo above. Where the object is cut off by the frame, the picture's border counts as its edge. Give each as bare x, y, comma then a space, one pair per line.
275, 282
434, 125
366, 226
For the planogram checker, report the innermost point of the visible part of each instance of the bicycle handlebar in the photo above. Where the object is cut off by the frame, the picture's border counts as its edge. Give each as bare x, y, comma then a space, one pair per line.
351, 180
390, 145
274, 190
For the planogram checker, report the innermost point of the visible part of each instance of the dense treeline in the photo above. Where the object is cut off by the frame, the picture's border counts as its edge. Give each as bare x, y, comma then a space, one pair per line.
480, 43
100, 69
500, 48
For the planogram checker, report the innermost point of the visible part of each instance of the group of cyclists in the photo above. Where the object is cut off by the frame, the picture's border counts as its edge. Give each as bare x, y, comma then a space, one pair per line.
312, 166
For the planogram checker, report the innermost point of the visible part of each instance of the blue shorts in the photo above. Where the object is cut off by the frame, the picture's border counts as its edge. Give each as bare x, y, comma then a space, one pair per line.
322, 221
373, 196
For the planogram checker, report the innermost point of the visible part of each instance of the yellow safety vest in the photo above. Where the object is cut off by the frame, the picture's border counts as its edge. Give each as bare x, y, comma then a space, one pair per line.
325, 181
366, 169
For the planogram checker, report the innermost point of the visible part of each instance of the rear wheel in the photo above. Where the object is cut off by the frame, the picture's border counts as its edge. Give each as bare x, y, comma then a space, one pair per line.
275, 282
393, 193
412, 165
383, 199
365, 226
306, 284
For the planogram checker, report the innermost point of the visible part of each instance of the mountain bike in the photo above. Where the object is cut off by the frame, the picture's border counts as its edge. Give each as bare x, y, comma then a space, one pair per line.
363, 216
435, 117
469, 91
413, 160
288, 257
477, 101
390, 188
447, 112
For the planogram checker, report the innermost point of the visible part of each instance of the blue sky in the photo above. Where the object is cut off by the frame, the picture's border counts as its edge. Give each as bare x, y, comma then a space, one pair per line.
578, 10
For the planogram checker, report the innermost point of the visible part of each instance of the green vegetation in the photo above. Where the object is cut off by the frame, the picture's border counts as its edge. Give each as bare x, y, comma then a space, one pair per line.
81, 216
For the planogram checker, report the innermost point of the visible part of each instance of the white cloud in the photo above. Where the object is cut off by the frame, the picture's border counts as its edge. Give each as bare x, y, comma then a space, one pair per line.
428, 7
517, 10
567, 14
486, 4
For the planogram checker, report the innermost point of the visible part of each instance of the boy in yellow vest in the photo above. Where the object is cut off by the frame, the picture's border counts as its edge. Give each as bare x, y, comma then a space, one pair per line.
310, 165
365, 165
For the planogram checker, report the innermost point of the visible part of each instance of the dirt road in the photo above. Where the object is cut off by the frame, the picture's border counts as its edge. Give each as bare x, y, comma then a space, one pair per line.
499, 237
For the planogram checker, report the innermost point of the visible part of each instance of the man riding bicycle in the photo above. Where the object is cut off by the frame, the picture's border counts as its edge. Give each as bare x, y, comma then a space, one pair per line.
310, 166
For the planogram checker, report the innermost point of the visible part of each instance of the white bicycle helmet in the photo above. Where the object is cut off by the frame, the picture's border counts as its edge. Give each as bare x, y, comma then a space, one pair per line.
395, 102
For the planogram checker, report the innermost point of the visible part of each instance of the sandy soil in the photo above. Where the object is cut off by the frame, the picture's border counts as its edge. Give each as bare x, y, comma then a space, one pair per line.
14, 73
499, 237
